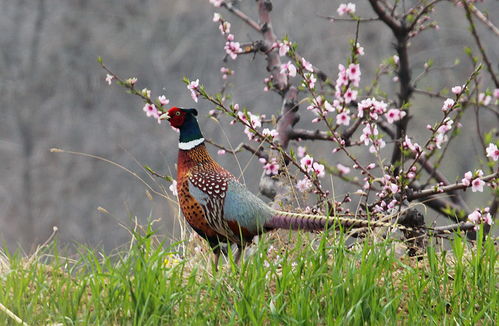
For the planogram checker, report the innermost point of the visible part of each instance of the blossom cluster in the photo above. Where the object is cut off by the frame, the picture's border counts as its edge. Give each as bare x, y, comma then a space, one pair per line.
473, 180
481, 216
270, 167
389, 189
312, 167
346, 8
232, 48
492, 152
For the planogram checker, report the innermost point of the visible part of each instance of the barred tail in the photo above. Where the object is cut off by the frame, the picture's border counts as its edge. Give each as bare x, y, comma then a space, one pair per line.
307, 222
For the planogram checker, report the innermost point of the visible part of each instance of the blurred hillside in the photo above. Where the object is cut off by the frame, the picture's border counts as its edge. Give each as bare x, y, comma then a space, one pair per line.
53, 94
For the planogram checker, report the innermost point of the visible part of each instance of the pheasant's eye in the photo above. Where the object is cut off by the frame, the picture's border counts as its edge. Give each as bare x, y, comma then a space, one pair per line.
177, 113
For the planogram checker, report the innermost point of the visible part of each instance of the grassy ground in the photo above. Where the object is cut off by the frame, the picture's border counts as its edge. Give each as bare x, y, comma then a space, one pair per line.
286, 279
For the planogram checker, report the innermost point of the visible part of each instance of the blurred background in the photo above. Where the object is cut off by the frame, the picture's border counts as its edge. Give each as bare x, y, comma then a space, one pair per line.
53, 94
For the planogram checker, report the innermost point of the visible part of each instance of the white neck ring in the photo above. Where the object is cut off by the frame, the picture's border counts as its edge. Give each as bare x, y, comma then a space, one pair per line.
190, 144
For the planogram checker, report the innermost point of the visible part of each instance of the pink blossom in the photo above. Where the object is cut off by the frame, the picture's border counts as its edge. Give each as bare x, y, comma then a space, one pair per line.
479, 216
226, 72
484, 99
377, 145
300, 151
232, 48
224, 27
343, 119
477, 185
163, 100
367, 133
303, 185
310, 81
318, 169
283, 47
487, 218
221, 152
348, 8
448, 104
496, 93
492, 151
254, 121
193, 87
173, 188
457, 90
216, 3
394, 115
109, 78
307, 65
342, 169
272, 133
342, 76
467, 178
373, 107
362, 106
359, 50
475, 216
289, 69
371, 166
151, 111
354, 73
392, 204
271, 168
216, 17
307, 162
441, 136
328, 107
393, 188
350, 95
446, 126
415, 148
396, 59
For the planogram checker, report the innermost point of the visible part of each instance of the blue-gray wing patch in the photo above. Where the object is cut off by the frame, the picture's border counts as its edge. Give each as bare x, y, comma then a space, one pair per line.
244, 207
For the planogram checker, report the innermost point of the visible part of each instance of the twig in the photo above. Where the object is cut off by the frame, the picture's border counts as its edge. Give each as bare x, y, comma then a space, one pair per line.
350, 20
436, 190
253, 24
484, 19
479, 44
259, 153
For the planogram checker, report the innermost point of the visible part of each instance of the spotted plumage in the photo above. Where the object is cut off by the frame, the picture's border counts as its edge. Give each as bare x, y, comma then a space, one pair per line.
217, 206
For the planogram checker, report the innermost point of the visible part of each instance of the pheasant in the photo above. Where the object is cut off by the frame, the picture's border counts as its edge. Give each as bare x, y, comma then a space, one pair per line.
217, 206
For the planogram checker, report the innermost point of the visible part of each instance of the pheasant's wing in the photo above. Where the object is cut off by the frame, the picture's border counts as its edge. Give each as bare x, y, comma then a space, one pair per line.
229, 207
209, 190
245, 208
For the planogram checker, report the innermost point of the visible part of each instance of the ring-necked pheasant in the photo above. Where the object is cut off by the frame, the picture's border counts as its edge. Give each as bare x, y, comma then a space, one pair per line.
217, 206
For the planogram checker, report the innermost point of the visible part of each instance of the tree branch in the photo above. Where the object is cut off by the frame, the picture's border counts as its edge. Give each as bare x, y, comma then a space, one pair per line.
479, 44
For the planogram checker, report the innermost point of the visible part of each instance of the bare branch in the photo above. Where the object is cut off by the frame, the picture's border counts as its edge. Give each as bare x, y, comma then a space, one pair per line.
478, 14
479, 44
253, 24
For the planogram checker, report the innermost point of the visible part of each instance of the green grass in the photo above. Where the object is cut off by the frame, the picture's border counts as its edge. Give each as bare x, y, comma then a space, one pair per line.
298, 279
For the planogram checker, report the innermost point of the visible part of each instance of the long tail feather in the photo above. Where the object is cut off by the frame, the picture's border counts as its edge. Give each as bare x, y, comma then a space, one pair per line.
308, 222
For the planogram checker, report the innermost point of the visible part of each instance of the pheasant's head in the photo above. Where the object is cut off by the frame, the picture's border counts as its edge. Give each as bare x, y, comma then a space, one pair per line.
179, 116
185, 120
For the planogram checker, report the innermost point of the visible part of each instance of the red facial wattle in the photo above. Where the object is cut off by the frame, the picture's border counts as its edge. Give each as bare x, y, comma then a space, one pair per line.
177, 117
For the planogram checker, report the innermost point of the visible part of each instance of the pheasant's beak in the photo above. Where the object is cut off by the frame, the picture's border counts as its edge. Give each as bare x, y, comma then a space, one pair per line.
164, 116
